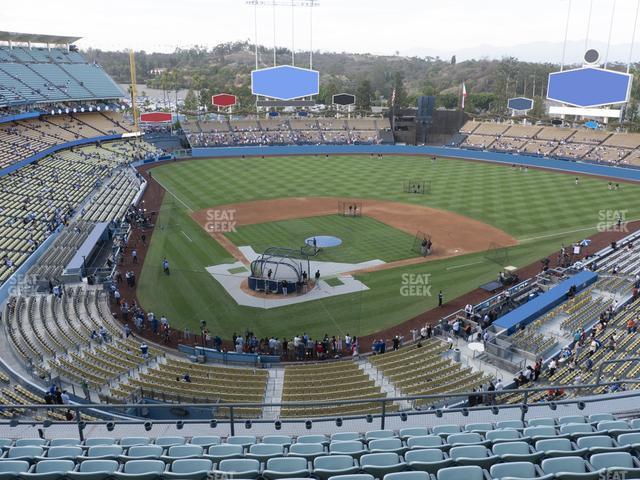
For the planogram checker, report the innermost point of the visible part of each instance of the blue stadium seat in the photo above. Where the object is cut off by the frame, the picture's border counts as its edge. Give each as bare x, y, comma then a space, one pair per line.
427, 460
239, 468
9, 469
569, 468
466, 439
49, 470
141, 470
576, 429
379, 464
244, 440
94, 470
478, 427
31, 442
378, 434
461, 473
407, 476
517, 424
27, 453
126, 442
613, 427
312, 439
571, 419
69, 453
473, 455
630, 439
64, 442
558, 447
205, 441
622, 463
92, 442
601, 417
345, 436
541, 422
387, 445
600, 444
264, 451
539, 432
356, 476
352, 448
105, 452
331, 465
169, 441
218, 453
141, 452
426, 441
286, 467
189, 469
177, 452
412, 432
284, 440
513, 470
504, 434
446, 429
308, 451
516, 452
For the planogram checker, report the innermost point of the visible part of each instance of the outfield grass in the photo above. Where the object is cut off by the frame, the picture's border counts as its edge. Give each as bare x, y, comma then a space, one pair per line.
542, 209
363, 238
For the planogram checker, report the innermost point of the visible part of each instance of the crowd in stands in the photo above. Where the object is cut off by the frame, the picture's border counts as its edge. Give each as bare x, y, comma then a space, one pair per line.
283, 132
566, 143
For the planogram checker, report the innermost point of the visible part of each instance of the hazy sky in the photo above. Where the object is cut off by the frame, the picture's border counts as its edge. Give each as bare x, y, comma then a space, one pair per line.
374, 26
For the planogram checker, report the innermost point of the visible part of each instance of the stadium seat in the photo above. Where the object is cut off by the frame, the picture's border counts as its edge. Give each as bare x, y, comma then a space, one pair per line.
61, 453
517, 424
189, 469
446, 429
407, 476
284, 440
612, 427
127, 442
9, 469
473, 455
635, 423
105, 452
94, 470
466, 439
218, 453
5, 443
412, 432
312, 439
569, 468
576, 429
93, 442
426, 441
623, 463
472, 472
141, 470
177, 452
516, 452
308, 451
264, 451
141, 452
166, 442
49, 470
387, 445
502, 435
601, 417
63, 442
355, 476
539, 432
205, 441
378, 434
331, 465
478, 427
512, 470
352, 448
345, 436
27, 453
286, 467
558, 447
541, 422
379, 464
600, 444
243, 440
427, 460
631, 440
238, 468
571, 419
31, 442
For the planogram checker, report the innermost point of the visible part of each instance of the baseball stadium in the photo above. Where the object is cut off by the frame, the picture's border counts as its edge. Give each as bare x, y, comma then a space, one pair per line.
265, 274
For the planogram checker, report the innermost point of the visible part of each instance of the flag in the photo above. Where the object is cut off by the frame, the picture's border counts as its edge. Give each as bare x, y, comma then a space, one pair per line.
393, 97
464, 94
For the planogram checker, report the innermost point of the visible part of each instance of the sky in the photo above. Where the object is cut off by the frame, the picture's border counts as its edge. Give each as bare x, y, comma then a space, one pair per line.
468, 28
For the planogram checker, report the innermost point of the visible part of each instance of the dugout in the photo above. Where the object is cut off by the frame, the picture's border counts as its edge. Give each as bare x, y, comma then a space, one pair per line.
278, 267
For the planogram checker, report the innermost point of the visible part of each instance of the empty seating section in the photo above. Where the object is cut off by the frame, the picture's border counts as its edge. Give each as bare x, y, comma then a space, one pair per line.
60, 335
596, 452
209, 384
592, 145
319, 383
23, 139
424, 370
38, 198
283, 131
40, 75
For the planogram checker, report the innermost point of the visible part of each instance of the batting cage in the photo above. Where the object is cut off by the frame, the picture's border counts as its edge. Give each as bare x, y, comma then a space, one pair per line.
422, 244
418, 187
497, 254
279, 268
349, 208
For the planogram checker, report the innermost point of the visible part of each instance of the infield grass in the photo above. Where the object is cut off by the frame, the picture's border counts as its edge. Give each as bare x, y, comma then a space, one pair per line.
542, 209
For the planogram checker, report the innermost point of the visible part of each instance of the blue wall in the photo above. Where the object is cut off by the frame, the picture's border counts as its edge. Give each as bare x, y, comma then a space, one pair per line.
622, 173
18, 116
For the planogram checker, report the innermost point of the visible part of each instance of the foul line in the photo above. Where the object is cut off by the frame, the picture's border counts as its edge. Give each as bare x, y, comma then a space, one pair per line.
174, 195
594, 227
453, 267
188, 237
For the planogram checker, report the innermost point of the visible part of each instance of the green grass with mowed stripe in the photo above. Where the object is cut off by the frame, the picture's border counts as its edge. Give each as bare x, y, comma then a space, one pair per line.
542, 209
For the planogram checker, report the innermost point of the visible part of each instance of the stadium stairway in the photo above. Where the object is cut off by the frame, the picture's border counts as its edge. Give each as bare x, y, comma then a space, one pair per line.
382, 382
273, 393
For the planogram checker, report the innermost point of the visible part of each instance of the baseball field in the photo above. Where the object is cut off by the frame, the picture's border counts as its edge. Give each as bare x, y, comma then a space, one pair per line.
472, 207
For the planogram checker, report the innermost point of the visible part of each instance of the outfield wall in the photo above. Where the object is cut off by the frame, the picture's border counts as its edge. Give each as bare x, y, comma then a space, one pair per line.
622, 173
